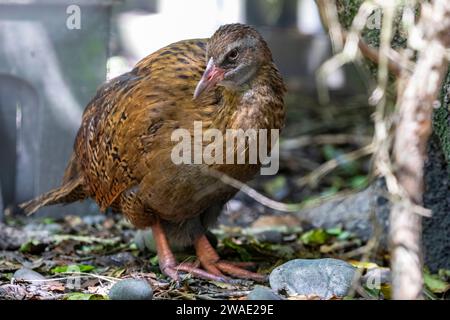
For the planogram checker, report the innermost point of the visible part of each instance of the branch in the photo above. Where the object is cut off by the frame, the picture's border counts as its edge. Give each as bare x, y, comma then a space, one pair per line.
414, 114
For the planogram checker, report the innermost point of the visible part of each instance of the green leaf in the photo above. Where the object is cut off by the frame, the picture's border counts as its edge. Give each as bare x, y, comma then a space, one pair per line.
154, 261
334, 231
317, 236
84, 296
27, 246
73, 268
338, 233
444, 273
344, 235
48, 221
359, 182
243, 253
329, 152
275, 185
435, 284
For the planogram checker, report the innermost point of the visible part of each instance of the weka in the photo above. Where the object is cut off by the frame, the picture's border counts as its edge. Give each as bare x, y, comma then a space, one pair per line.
122, 152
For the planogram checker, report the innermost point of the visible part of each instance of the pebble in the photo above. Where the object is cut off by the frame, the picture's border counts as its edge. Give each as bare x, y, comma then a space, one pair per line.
325, 278
121, 259
131, 289
270, 236
25, 274
263, 293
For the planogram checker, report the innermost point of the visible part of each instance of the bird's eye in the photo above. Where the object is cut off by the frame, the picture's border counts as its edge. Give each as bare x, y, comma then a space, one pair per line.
232, 55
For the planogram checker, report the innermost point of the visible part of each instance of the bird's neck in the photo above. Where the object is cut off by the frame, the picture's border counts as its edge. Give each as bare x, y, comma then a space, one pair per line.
258, 104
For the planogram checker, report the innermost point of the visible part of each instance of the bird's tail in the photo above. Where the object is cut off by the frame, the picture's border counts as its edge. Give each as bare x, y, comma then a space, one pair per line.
70, 191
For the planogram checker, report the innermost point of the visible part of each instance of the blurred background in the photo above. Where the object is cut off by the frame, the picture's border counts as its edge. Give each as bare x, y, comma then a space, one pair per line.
55, 53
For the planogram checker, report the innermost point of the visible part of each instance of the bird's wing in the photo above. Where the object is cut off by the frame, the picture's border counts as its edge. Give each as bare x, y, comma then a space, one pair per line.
120, 123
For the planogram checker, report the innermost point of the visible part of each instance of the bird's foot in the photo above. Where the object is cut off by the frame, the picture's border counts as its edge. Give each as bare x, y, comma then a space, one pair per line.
215, 269
221, 268
173, 271
212, 263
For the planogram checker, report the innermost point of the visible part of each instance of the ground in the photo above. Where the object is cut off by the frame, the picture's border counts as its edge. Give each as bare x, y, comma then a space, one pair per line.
103, 249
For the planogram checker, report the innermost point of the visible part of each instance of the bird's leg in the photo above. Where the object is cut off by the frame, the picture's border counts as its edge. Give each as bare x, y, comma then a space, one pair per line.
210, 260
167, 262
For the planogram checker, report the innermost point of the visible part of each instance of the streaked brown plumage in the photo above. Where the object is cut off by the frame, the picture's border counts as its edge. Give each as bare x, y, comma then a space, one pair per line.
122, 150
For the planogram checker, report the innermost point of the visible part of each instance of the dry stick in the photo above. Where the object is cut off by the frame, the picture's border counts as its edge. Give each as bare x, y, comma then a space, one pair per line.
307, 140
329, 14
415, 106
348, 53
395, 65
314, 177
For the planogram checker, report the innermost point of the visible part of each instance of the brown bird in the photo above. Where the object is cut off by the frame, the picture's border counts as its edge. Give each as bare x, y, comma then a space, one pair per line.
122, 152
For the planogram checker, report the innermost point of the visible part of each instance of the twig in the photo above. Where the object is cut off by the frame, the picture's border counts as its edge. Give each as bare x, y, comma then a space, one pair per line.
349, 52
395, 64
314, 177
303, 141
253, 193
329, 15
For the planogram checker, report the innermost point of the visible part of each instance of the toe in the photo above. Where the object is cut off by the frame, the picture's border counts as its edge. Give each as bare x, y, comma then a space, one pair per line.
171, 273
237, 272
199, 273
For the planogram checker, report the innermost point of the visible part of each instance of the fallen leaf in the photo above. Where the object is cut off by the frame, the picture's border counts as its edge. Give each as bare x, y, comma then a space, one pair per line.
73, 268
287, 221
363, 264
84, 296
435, 284
316, 236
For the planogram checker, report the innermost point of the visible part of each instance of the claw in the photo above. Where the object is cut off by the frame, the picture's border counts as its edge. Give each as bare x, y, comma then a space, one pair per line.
215, 269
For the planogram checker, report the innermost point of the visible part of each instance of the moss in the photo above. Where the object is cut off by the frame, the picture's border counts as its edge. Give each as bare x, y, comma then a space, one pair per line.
347, 9
441, 121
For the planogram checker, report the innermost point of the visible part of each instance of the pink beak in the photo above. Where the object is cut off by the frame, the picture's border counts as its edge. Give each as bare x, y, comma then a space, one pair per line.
210, 78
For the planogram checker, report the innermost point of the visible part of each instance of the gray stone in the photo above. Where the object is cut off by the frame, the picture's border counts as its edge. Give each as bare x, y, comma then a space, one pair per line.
321, 277
131, 289
121, 259
94, 219
25, 274
354, 213
271, 236
263, 293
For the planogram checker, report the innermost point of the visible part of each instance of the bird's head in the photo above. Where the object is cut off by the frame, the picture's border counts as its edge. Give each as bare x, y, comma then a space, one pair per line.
234, 55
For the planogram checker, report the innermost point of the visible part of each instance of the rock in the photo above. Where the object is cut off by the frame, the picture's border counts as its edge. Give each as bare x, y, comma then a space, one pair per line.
43, 229
280, 223
324, 278
121, 259
270, 236
353, 212
94, 219
263, 293
25, 274
131, 289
